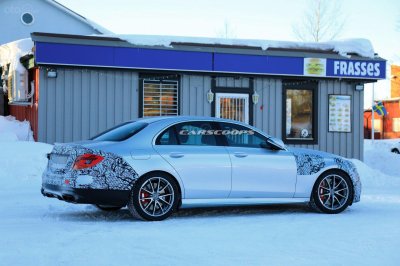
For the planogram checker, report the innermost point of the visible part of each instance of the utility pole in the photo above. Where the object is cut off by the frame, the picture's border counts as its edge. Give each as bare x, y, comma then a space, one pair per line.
372, 112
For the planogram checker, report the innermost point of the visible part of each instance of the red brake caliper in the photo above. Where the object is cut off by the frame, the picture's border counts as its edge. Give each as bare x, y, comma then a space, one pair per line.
321, 192
143, 197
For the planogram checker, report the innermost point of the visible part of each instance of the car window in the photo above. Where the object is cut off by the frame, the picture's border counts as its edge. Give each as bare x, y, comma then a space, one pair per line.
121, 132
240, 136
168, 137
197, 133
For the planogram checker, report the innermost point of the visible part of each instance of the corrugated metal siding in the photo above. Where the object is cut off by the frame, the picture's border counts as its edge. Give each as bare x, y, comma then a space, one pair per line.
268, 116
268, 110
81, 103
193, 95
231, 82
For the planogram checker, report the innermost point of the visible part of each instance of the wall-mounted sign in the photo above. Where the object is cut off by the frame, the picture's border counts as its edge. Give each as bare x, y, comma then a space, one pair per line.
212, 62
339, 113
356, 68
314, 67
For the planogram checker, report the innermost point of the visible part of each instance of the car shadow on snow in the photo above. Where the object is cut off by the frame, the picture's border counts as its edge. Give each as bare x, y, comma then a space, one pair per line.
91, 213
235, 211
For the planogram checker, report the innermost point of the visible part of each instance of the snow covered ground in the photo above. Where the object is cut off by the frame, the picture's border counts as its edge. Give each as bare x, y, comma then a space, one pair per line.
40, 231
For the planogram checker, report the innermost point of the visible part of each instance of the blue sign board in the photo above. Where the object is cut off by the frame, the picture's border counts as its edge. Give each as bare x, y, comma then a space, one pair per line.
170, 59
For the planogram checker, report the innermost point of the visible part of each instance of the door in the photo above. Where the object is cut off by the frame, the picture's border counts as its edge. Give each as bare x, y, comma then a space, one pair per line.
202, 163
233, 106
258, 172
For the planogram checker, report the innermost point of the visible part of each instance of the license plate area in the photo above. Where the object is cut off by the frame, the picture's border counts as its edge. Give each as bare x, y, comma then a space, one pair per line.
58, 161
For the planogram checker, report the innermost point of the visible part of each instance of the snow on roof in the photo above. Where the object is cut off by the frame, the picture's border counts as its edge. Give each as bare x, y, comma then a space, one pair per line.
89, 22
10, 53
362, 47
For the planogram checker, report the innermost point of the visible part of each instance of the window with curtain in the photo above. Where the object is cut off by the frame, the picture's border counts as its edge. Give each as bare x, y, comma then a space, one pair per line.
160, 97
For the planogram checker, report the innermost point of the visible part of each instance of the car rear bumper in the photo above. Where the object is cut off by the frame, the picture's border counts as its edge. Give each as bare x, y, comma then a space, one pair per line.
86, 196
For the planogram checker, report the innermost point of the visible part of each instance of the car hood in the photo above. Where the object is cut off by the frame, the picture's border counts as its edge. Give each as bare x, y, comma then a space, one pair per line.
312, 161
299, 151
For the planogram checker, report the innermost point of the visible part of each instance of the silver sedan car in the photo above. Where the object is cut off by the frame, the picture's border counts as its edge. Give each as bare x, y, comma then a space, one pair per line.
157, 165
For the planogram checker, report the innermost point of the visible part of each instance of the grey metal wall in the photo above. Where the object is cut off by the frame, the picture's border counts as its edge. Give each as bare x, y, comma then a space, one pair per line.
194, 90
268, 116
80, 103
193, 99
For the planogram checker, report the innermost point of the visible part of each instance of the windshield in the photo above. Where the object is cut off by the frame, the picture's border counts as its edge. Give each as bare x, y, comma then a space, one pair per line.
121, 132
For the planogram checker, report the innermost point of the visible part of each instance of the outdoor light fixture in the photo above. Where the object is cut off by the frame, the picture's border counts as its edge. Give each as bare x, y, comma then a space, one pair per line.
210, 96
255, 97
51, 73
359, 87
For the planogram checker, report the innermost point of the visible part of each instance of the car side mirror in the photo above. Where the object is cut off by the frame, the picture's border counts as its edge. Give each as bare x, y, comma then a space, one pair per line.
273, 144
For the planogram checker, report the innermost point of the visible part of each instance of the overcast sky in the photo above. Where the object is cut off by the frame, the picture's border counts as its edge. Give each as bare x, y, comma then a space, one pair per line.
258, 19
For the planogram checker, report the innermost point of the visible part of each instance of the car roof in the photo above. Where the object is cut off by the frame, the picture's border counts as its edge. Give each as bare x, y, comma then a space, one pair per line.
183, 118
165, 120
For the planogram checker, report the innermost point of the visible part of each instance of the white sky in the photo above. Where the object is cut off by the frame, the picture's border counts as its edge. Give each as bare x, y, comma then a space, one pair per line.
375, 20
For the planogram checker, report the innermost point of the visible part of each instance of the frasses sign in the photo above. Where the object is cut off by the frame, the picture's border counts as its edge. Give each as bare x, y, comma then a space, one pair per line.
356, 68
344, 68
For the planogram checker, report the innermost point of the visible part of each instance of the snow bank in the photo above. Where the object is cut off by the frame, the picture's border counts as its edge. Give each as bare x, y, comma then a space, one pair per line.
13, 130
377, 155
22, 162
374, 178
362, 47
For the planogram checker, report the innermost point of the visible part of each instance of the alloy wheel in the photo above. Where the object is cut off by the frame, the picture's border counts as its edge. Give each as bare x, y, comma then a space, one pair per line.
333, 192
156, 196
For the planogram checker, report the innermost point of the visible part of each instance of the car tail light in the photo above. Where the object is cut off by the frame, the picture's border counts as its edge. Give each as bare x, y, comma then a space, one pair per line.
87, 160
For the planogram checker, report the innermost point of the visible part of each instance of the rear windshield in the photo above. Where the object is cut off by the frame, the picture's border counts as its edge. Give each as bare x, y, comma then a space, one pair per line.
121, 132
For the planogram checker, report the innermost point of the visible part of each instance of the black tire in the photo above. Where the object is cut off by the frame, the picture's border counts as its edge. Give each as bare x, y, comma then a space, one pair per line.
333, 184
154, 197
108, 208
396, 151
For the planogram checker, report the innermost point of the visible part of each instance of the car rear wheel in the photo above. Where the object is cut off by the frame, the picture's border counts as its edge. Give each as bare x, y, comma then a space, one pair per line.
332, 193
154, 197
108, 208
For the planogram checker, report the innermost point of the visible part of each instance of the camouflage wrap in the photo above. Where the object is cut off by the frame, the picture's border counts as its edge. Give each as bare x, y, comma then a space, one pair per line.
311, 162
112, 173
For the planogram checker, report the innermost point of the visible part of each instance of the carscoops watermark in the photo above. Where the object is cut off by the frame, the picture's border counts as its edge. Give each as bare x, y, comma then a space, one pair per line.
216, 132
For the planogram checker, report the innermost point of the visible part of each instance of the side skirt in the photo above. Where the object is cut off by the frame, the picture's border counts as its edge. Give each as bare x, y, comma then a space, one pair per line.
190, 203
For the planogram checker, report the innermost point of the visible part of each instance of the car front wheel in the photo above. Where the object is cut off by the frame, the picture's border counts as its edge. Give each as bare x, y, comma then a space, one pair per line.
332, 193
154, 197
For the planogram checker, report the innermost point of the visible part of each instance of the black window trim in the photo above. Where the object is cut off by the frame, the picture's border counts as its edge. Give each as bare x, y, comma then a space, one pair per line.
302, 85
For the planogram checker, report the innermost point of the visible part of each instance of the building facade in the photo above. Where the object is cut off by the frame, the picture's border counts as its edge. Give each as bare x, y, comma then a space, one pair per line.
21, 17
387, 126
85, 85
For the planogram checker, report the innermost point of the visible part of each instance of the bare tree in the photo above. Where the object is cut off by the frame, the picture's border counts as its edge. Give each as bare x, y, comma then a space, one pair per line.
323, 20
227, 31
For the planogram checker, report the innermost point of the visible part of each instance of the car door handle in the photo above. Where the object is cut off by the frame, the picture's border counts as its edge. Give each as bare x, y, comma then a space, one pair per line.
176, 155
240, 154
